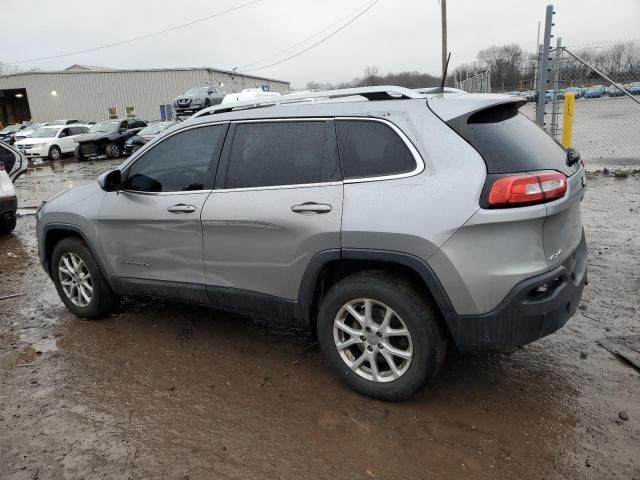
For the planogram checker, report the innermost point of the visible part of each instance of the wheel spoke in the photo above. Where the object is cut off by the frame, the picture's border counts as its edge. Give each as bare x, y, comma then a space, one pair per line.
368, 312
74, 262
396, 351
68, 264
354, 340
64, 270
359, 361
396, 332
395, 372
346, 328
83, 295
374, 366
354, 313
388, 315
85, 283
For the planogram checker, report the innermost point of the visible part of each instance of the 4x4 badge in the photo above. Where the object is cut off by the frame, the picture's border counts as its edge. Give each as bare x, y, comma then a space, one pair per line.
555, 255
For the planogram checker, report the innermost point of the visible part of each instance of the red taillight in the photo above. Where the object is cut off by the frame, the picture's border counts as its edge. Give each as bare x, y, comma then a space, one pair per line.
527, 189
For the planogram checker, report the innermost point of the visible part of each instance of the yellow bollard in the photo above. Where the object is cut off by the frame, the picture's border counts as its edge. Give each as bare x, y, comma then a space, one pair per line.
567, 119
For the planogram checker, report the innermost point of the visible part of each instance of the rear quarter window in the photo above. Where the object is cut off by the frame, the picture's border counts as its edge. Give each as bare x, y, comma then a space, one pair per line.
509, 142
372, 149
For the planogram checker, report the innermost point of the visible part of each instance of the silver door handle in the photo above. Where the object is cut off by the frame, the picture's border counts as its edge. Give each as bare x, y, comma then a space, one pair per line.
181, 208
310, 207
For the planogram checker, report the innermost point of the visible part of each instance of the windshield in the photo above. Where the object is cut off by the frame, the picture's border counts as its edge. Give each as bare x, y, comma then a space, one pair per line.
199, 90
10, 129
45, 132
106, 127
154, 129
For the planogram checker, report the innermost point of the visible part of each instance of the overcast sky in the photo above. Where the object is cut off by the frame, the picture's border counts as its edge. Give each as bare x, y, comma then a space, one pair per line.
393, 35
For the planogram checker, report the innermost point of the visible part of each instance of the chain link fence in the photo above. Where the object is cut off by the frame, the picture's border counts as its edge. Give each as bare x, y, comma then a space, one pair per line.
479, 83
606, 127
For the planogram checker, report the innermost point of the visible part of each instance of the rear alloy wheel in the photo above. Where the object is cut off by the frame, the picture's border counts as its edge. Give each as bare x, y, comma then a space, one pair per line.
54, 153
380, 335
79, 281
372, 340
113, 150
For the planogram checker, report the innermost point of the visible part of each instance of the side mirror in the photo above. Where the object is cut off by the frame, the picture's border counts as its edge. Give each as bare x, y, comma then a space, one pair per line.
210, 92
110, 181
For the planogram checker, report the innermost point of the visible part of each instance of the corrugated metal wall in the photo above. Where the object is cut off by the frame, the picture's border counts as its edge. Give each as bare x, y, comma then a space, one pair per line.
88, 95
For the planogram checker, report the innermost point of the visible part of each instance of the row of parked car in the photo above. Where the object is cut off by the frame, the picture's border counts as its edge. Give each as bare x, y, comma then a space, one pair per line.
112, 138
595, 91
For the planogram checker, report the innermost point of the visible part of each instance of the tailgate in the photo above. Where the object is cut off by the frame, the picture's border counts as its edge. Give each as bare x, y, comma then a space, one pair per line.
562, 230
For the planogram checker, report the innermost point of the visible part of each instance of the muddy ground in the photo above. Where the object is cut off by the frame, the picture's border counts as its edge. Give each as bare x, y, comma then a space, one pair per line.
162, 390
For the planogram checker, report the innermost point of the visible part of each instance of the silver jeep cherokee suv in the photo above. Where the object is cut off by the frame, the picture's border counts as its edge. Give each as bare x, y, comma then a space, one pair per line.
392, 223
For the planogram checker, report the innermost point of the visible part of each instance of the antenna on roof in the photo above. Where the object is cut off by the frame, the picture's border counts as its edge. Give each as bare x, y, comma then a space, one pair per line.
444, 74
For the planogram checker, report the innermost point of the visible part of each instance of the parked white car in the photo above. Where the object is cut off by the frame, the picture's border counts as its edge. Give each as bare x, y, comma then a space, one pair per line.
52, 141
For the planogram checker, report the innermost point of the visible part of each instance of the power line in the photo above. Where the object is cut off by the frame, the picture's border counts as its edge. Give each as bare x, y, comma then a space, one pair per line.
122, 42
324, 39
302, 42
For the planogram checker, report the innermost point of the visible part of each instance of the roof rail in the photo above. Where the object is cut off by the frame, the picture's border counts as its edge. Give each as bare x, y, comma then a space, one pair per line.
384, 92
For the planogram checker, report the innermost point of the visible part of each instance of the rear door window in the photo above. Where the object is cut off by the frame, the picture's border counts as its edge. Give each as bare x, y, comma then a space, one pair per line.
510, 142
372, 149
267, 154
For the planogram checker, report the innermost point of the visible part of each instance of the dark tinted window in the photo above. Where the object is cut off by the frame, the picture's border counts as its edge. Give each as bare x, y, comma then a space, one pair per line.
78, 130
509, 142
282, 153
182, 162
372, 149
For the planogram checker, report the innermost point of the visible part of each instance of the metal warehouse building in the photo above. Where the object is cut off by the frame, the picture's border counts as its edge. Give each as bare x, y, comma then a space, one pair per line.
91, 93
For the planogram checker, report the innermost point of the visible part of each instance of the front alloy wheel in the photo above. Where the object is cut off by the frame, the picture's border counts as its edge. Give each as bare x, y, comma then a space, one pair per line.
372, 340
75, 279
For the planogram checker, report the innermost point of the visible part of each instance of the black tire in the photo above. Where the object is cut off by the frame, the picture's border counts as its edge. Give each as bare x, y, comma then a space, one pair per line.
103, 300
55, 153
78, 154
113, 150
417, 313
7, 225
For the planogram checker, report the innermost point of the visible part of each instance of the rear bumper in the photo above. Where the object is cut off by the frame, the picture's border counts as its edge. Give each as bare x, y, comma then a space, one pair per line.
92, 149
524, 316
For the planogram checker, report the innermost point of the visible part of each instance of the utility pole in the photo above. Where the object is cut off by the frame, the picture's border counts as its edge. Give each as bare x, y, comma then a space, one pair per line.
443, 10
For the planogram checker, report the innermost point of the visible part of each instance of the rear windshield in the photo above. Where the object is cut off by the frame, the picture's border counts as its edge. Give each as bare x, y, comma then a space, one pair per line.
510, 142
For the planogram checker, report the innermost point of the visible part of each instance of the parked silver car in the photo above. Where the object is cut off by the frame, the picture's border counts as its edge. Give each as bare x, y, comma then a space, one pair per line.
394, 227
196, 99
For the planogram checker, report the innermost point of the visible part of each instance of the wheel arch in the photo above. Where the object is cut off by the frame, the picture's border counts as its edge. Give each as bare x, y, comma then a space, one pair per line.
55, 233
330, 266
